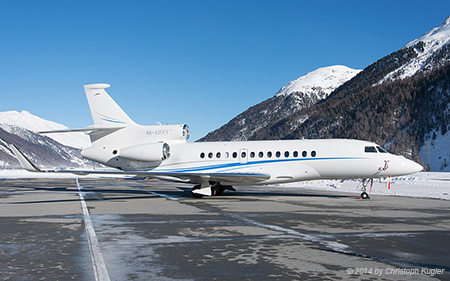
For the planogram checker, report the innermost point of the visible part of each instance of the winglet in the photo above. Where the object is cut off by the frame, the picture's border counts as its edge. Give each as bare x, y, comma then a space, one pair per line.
23, 160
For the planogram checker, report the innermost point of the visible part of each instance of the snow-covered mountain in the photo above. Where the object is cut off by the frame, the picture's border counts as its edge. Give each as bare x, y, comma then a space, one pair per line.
54, 150
320, 82
431, 52
33, 123
295, 95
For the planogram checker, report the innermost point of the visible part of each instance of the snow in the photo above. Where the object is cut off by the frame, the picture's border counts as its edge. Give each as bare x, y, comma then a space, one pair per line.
25, 119
422, 185
325, 80
433, 40
438, 34
437, 153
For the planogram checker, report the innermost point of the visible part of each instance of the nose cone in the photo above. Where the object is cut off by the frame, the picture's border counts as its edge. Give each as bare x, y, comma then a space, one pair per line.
407, 166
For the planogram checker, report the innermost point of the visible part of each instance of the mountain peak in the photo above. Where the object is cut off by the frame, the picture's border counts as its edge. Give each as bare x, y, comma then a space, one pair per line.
325, 80
447, 21
431, 52
440, 35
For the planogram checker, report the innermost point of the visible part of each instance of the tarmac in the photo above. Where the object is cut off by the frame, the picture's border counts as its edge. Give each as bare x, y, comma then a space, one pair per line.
123, 229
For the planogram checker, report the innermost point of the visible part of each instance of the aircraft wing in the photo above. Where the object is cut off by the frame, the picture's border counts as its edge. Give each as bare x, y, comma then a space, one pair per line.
187, 177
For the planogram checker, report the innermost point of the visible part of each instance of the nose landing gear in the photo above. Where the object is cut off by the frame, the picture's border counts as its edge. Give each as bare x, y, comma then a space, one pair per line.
364, 194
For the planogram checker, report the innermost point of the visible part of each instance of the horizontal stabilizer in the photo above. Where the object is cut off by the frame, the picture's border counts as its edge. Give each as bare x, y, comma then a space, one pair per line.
88, 129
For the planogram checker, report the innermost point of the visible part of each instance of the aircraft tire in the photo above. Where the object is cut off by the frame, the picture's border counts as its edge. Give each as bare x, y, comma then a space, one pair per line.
364, 195
194, 194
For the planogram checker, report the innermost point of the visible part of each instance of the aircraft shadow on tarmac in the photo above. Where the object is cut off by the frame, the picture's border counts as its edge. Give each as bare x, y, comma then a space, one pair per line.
255, 193
95, 194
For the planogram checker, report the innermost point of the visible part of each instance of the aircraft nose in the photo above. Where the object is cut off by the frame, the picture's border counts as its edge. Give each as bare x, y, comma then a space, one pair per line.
410, 167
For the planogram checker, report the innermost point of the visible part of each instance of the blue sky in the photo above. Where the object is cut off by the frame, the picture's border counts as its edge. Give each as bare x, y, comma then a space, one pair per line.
194, 62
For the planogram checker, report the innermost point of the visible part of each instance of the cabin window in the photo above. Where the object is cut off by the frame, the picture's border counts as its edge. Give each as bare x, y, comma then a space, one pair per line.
202, 155
234, 154
286, 154
370, 149
261, 154
218, 155
381, 150
227, 155
304, 153
243, 154
252, 154
210, 155
295, 153
313, 153
269, 154
278, 154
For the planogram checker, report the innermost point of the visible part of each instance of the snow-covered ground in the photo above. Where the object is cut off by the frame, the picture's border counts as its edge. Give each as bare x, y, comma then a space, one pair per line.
424, 184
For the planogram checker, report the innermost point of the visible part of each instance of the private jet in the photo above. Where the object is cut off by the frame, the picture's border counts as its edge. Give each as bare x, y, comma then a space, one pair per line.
162, 152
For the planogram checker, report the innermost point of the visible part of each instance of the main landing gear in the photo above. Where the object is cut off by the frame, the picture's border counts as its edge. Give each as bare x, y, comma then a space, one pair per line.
364, 194
211, 190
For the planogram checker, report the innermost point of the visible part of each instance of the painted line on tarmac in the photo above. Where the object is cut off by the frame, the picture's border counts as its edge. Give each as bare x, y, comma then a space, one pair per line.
163, 195
98, 263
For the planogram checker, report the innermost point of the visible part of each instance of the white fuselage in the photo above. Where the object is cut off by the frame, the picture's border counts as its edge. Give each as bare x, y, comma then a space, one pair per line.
284, 161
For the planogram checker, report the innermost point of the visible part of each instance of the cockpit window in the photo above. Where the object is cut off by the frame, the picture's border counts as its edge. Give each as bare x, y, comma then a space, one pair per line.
370, 149
381, 150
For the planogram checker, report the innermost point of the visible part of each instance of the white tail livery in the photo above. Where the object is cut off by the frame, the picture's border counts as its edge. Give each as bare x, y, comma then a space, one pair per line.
161, 151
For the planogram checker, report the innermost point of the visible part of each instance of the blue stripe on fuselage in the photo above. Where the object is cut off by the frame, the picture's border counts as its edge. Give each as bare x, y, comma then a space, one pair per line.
235, 165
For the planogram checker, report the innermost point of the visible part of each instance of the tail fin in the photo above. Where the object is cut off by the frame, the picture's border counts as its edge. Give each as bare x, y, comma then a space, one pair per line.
104, 109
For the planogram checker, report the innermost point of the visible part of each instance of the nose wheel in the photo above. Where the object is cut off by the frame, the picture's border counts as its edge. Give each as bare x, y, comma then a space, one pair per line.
364, 195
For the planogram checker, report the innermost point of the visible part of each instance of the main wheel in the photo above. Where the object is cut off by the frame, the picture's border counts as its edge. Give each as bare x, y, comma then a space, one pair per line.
195, 195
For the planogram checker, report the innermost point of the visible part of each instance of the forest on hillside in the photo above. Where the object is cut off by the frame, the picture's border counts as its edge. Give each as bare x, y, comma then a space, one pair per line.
400, 115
